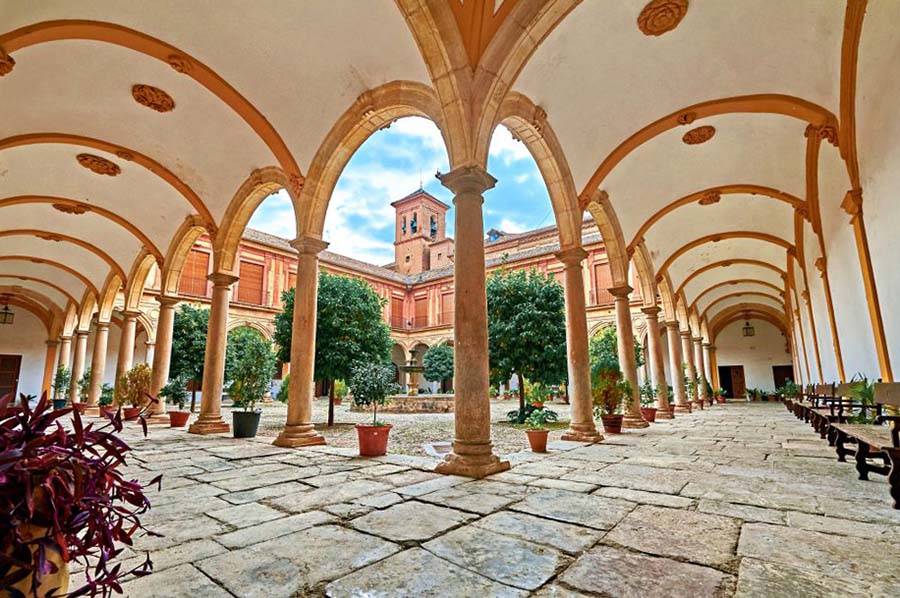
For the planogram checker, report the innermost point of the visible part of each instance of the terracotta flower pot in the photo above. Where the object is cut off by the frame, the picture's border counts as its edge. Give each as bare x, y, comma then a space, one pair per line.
537, 404
80, 407
538, 440
373, 440
649, 413
131, 414
178, 419
338, 401
107, 411
612, 424
720, 400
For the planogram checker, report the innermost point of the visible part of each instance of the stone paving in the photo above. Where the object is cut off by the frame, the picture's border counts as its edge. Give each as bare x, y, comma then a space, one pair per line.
738, 500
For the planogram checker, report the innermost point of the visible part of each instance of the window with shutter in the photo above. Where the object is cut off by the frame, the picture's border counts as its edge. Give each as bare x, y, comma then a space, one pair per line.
447, 308
421, 319
397, 312
602, 281
250, 285
193, 275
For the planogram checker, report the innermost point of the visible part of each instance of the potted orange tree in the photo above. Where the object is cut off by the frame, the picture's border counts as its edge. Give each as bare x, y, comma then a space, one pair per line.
371, 385
251, 371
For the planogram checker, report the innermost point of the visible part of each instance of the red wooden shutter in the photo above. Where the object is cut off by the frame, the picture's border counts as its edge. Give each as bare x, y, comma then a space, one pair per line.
447, 308
250, 285
397, 312
421, 313
193, 276
602, 281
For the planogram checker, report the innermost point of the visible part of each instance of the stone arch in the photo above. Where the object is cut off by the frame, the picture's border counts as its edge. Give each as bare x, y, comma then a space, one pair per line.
107, 298
528, 123
667, 297
739, 294
611, 231
252, 325
725, 264
182, 242
643, 265
113, 265
41, 313
137, 279
735, 282
70, 319
716, 237
261, 183
373, 110
86, 311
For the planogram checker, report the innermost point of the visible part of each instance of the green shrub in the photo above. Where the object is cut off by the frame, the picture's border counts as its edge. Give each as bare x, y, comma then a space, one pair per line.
372, 384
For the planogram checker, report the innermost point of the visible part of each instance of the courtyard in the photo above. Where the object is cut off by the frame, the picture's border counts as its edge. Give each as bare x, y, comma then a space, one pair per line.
737, 500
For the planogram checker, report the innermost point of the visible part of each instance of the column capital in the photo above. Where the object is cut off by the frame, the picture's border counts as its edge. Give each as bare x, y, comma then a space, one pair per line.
621, 292
697, 339
222, 279
571, 257
131, 314
712, 348
706, 345
686, 334
52, 342
167, 300
102, 326
467, 179
64, 338
652, 311
149, 343
671, 324
80, 333
308, 245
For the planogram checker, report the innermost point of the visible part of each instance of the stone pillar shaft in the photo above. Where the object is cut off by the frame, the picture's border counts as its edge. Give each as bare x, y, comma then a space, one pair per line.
49, 367
657, 366
675, 361
702, 392
210, 420
162, 358
472, 453
78, 365
65, 351
625, 332
687, 353
126, 344
298, 428
98, 363
581, 427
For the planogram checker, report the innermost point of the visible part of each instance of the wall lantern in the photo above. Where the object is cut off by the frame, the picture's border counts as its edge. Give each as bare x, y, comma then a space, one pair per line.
6, 316
748, 329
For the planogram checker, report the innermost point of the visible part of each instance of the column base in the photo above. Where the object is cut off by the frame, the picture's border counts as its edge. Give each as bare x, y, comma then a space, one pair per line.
92, 411
295, 436
472, 466
158, 419
682, 409
590, 435
660, 414
634, 421
209, 425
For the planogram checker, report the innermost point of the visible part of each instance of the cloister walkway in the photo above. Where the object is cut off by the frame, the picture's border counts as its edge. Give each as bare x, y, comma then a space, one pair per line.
740, 499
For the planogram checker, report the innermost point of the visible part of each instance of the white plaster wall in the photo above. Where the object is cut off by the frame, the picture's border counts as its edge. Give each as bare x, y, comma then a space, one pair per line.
810, 344
820, 309
26, 337
757, 353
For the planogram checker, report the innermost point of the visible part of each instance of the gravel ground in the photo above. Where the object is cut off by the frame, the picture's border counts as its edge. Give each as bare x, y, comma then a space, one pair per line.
410, 431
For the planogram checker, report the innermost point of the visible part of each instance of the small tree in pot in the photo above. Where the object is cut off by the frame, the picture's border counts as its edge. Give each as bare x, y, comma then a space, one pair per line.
134, 389
84, 386
62, 381
251, 373
649, 392
176, 392
372, 384
536, 429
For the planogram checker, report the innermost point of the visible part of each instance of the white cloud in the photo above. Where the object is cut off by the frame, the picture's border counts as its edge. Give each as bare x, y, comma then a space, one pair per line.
276, 216
422, 129
507, 149
511, 226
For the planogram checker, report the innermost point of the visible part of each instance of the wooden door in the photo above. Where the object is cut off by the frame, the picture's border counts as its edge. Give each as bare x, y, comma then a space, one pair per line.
781, 374
737, 380
9, 374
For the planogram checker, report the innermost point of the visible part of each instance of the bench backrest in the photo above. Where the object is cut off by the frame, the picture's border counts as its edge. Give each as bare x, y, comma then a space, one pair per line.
825, 390
887, 393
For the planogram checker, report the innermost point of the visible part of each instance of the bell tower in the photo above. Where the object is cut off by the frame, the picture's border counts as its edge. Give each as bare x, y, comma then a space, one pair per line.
420, 225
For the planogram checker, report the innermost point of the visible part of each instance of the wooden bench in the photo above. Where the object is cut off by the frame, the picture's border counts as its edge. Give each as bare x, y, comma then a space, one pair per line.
880, 441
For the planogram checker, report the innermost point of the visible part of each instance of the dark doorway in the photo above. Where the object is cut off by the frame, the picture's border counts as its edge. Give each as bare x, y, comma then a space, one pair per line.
731, 379
9, 374
782, 373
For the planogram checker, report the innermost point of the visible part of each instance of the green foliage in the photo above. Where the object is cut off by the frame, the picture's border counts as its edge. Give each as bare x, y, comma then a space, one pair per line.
790, 389
349, 327
649, 392
134, 386
513, 416
618, 399
438, 362
249, 367
605, 372
283, 390
526, 327
863, 392
372, 384
189, 342
175, 391
84, 385
107, 395
340, 389
62, 381
537, 393
537, 419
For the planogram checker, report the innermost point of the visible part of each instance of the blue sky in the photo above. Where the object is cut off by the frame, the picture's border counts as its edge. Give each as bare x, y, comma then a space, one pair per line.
390, 165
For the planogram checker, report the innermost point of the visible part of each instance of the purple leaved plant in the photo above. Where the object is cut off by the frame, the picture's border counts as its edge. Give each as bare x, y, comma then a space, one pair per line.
62, 492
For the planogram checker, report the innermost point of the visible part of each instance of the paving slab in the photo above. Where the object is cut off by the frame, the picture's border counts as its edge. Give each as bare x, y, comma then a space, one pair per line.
185, 582
762, 578
245, 515
411, 521
683, 535
590, 510
273, 529
571, 539
614, 572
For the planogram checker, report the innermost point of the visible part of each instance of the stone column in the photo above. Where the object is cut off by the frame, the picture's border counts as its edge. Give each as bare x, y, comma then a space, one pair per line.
472, 454
210, 420
298, 428
581, 427
675, 360
714, 367
633, 417
657, 367
149, 352
687, 354
78, 365
98, 363
165, 324
65, 351
126, 344
702, 393
49, 367
707, 370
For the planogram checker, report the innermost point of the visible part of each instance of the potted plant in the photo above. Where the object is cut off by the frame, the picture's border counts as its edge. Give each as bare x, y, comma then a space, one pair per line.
65, 500
84, 387
176, 392
62, 381
340, 391
719, 395
133, 390
649, 392
537, 394
251, 375
107, 398
372, 384
790, 390
536, 430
